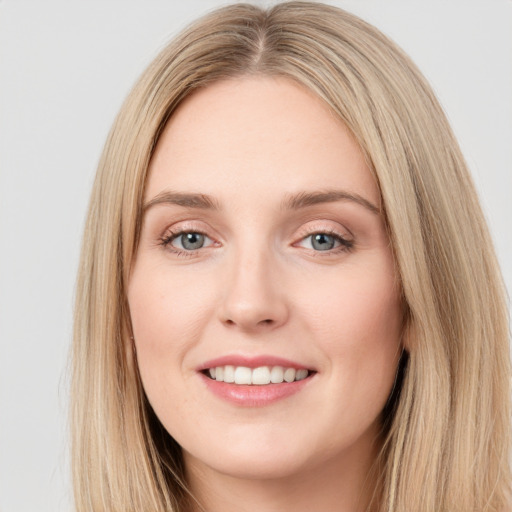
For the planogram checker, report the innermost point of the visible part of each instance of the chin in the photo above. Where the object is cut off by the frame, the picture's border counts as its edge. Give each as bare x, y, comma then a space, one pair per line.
251, 464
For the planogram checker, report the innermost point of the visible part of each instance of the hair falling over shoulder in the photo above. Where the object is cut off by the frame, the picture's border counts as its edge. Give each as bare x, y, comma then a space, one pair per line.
447, 435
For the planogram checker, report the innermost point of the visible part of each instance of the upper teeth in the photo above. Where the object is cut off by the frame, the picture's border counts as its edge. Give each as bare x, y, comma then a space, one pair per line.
259, 376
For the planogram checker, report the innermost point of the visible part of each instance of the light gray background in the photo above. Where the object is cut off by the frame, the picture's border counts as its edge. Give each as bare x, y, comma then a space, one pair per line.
64, 69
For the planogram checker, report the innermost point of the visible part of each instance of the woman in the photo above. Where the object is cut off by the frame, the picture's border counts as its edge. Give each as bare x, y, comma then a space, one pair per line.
281, 303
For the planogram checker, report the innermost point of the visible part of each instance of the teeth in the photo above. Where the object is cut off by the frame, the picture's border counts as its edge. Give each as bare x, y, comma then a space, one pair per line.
277, 375
301, 374
256, 376
289, 374
261, 376
242, 375
229, 373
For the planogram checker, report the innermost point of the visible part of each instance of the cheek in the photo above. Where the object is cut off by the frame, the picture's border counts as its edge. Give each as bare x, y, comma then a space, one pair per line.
360, 306
166, 307
168, 314
356, 320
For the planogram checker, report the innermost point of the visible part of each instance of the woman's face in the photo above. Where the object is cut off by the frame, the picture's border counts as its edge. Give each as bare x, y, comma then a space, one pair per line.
264, 258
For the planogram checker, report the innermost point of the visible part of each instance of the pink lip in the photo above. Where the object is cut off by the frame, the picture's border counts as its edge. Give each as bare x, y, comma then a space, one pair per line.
251, 362
253, 395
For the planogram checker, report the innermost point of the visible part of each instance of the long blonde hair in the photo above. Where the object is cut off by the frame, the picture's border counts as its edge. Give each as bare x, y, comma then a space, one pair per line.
447, 442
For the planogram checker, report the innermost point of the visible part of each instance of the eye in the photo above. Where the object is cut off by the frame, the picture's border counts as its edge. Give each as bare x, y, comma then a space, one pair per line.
325, 242
187, 241
322, 242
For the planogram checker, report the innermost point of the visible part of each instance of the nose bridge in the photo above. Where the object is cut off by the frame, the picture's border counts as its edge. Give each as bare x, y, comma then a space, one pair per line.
253, 298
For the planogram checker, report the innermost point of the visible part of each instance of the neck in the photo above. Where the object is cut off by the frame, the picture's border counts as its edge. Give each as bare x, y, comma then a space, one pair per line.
344, 483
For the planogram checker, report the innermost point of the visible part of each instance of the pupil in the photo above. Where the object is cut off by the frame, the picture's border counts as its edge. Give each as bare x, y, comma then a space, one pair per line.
323, 242
192, 241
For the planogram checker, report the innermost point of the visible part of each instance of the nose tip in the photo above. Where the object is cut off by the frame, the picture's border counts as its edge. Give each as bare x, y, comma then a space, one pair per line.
248, 318
254, 299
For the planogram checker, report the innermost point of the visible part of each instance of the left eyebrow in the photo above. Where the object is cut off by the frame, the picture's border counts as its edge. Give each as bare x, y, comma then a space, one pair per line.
305, 199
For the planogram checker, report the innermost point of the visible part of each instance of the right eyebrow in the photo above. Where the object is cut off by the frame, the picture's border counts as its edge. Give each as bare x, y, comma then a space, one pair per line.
187, 200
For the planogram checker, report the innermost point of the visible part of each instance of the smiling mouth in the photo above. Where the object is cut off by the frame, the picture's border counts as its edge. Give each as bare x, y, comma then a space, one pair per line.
261, 376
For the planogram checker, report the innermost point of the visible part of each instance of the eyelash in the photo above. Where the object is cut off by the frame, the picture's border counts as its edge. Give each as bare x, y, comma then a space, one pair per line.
345, 244
170, 236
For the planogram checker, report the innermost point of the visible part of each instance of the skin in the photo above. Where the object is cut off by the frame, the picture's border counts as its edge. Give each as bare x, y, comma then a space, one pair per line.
259, 286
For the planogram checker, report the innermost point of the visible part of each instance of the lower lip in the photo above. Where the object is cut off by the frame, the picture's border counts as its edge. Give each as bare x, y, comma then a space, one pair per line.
254, 396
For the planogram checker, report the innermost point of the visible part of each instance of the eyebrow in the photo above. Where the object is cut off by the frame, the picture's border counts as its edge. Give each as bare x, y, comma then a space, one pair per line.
187, 200
305, 199
292, 202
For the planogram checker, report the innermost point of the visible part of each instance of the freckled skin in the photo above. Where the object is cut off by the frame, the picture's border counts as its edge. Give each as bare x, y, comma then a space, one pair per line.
259, 286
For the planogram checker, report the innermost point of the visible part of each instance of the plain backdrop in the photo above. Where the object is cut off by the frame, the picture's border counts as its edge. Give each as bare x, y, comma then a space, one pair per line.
65, 68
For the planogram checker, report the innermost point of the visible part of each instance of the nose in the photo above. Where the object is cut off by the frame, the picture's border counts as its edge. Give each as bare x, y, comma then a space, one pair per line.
254, 298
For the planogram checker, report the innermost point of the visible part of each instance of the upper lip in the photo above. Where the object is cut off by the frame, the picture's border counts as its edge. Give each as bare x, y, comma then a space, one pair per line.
252, 362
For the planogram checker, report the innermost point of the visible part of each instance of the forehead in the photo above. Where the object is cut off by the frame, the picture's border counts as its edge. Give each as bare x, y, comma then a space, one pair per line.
257, 133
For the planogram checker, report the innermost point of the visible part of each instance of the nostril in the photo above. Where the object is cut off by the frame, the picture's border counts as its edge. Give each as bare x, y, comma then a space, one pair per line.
267, 321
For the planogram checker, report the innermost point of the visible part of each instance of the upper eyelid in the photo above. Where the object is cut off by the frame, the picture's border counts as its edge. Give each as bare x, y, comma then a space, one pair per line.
173, 235
187, 226
342, 239
168, 237
306, 228
176, 236
342, 231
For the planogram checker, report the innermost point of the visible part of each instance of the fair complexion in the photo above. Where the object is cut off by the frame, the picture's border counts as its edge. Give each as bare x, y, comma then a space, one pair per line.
263, 245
